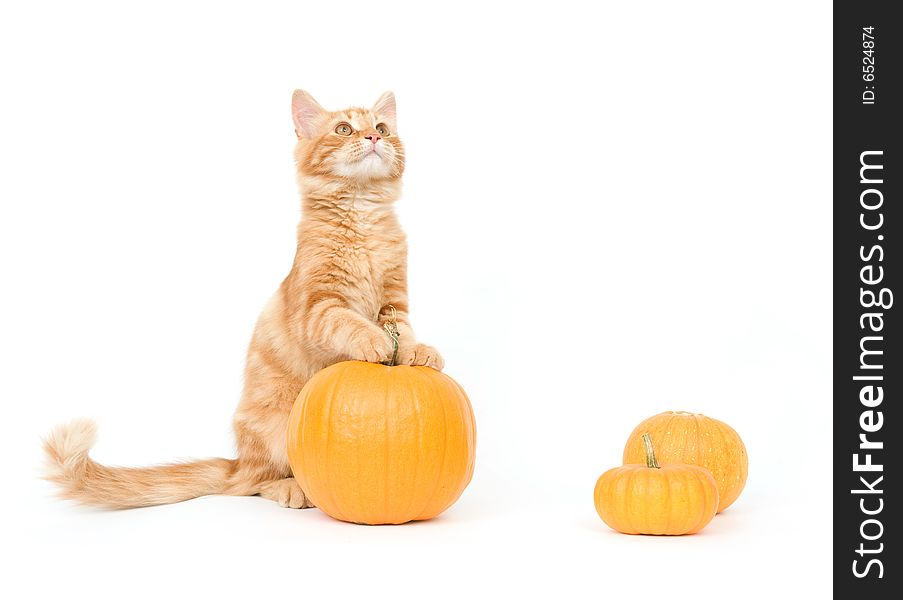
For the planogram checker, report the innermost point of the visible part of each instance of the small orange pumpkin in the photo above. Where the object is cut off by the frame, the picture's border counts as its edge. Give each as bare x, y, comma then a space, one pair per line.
695, 439
656, 500
378, 444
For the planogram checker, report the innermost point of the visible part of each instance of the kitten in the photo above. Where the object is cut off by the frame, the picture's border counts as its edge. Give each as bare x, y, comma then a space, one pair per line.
348, 277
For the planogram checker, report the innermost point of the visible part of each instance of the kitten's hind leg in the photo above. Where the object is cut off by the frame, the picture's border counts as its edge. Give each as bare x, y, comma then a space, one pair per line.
269, 483
286, 492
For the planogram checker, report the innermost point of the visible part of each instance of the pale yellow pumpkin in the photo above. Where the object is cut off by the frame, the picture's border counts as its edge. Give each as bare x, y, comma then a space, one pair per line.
694, 439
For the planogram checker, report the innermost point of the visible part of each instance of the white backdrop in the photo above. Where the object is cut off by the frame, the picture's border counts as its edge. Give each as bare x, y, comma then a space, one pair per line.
612, 211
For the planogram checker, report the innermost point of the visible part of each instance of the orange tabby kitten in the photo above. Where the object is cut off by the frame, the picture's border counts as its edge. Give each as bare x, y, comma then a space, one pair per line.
350, 269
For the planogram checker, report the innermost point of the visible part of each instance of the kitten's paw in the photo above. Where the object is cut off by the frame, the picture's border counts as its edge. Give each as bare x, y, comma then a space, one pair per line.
371, 346
287, 493
421, 355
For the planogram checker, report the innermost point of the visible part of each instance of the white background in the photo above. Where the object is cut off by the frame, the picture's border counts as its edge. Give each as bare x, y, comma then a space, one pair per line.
612, 211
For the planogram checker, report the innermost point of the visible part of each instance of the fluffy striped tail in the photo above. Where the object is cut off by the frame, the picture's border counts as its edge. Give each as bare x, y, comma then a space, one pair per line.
88, 482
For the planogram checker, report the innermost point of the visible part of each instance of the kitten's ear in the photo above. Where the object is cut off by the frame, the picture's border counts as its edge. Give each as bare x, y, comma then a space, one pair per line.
305, 113
385, 108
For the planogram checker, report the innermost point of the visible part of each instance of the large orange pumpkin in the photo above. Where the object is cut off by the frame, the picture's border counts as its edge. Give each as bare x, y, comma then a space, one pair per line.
378, 444
657, 500
695, 439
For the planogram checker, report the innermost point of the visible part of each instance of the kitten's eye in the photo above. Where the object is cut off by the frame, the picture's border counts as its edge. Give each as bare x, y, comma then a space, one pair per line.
382, 129
343, 129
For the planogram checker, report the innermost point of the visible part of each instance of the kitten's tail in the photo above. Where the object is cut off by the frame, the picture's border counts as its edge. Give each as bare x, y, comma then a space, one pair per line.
86, 481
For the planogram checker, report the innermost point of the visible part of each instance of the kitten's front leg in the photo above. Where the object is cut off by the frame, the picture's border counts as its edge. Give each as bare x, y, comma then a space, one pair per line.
331, 324
370, 344
420, 355
410, 352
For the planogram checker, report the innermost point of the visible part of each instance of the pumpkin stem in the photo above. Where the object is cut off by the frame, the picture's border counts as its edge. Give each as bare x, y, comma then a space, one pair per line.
651, 462
391, 328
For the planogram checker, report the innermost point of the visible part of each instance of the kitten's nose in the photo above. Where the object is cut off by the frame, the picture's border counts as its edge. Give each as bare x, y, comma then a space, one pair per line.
373, 137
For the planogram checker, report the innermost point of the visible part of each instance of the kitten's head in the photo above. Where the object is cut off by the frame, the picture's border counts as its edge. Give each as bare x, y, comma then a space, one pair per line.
355, 144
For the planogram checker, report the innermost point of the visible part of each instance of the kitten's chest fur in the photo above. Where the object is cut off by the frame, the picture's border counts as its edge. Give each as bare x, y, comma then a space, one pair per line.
358, 246
361, 251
